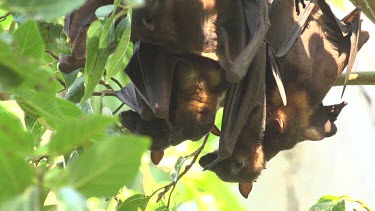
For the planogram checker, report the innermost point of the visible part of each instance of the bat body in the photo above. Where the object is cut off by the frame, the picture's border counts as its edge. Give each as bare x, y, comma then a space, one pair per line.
309, 70
217, 30
76, 25
182, 93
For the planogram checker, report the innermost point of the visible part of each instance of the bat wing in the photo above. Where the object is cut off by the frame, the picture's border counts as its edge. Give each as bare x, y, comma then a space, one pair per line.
241, 99
131, 97
296, 30
237, 69
151, 71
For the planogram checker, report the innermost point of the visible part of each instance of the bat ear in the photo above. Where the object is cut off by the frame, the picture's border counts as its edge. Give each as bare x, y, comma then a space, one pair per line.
156, 156
245, 188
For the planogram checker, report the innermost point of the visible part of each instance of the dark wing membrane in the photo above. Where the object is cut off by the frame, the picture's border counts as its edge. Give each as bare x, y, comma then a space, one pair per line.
240, 100
151, 70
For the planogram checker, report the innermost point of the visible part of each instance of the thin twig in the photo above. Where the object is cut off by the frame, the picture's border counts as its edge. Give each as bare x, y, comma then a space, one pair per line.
357, 78
187, 168
2, 18
52, 55
105, 92
106, 85
117, 109
117, 82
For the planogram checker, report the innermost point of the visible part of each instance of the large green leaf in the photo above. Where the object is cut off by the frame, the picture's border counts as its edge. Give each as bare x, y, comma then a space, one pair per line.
54, 38
29, 39
16, 173
77, 132
13, 138
28, 201
33, 76
43, 9
107, 166
95, 59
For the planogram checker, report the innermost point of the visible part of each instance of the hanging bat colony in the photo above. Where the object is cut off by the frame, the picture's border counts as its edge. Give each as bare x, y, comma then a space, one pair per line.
268, 64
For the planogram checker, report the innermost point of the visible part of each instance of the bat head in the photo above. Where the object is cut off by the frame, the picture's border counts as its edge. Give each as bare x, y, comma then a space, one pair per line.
322, 122
157, 129
243, 166
192, 123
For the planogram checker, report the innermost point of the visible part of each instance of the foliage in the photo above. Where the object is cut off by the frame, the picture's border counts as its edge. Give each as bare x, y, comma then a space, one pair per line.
338, 203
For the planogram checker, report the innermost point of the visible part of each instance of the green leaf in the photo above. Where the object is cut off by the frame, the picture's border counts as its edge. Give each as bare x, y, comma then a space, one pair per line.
35, 128
329, 203
118, 60
177, 167
162, 208
76, 91
104, 11
16, 174
13, 138
133, 203
43, 9
54, 38
28, 201
95, 61
29, 39
68, 109
34, 77
78, 132
108, 165
70, 78
69, 199
9, 80
107, 36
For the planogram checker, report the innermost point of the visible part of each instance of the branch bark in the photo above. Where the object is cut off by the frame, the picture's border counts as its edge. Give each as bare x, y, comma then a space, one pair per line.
357, 78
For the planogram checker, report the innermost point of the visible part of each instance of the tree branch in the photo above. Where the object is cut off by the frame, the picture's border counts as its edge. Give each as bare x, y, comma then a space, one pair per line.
357, 78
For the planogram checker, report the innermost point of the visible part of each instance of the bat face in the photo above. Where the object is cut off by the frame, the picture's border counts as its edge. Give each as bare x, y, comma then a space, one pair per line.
244, 166
156, 128
198, 88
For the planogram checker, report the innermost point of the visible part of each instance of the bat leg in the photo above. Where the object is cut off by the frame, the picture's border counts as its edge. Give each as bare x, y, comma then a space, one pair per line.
238, 68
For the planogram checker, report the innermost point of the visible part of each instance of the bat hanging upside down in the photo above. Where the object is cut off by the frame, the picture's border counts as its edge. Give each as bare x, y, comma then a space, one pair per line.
190, 90
308, 69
